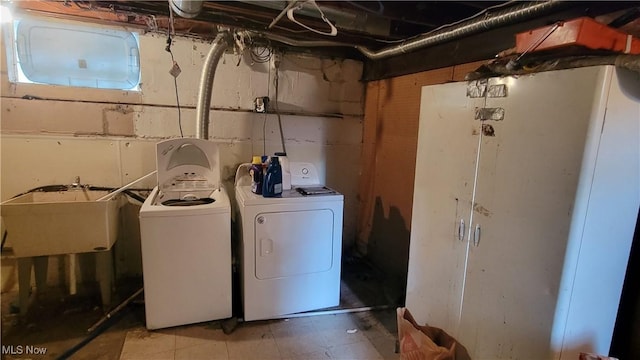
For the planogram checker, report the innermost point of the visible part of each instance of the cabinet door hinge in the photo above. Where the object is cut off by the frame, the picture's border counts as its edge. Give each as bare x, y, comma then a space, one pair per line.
481, 88
497, 91
489, 114
477, 88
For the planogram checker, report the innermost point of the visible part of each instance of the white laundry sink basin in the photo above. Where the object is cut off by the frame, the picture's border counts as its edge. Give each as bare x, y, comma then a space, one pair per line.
64, 222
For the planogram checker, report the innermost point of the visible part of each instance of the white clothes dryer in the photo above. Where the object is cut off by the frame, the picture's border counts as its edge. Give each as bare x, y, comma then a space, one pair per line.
291, 248
185, 227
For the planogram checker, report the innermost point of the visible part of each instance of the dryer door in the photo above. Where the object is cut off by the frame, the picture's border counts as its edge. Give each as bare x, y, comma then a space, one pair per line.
293, 243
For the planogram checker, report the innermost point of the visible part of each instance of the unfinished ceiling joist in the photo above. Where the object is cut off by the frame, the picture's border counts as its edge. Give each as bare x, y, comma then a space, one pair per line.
464, 31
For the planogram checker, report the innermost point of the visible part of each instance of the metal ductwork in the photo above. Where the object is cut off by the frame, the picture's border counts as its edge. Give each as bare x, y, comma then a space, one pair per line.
222, 41
512, 15
186, 8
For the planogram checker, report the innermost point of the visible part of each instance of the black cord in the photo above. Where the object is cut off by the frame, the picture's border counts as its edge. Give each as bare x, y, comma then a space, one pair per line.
264, 125
264, 135
46, 188
277, 111
175, 84
129, 192
4, 240
57, 188
135, 196
262, 54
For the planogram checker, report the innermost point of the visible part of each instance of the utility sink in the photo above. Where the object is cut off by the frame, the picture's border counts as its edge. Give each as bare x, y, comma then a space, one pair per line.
64, 222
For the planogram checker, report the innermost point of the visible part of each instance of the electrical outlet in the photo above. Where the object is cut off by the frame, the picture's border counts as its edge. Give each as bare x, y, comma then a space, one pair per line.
260, 104
277, 59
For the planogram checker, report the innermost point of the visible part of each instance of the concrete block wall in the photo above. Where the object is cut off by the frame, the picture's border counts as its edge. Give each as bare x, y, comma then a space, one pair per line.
51, 134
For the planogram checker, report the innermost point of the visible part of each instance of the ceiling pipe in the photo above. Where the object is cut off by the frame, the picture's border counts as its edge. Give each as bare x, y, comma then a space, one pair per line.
491, 21
186, 8
222, 41
302, 43
512, 15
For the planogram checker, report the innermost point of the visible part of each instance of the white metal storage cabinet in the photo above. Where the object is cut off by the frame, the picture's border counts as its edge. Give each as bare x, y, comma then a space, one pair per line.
534, 269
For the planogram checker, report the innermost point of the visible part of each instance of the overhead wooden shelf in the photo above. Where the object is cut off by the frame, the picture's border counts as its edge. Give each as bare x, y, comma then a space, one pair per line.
583, 31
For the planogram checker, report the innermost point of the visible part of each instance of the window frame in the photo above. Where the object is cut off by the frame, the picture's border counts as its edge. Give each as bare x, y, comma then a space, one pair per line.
15, 74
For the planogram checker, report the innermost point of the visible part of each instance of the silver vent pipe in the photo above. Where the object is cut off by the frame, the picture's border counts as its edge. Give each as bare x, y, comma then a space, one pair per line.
222, 41
494, 20
512, 15
186, 8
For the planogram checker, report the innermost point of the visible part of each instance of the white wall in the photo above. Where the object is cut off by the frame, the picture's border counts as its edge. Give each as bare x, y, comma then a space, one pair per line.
107, 137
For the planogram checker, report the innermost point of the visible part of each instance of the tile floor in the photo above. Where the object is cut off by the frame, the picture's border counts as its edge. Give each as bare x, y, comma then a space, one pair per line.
58, 322
352, 336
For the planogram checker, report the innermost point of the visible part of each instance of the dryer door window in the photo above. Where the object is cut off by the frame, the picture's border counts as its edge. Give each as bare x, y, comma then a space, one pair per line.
293, 243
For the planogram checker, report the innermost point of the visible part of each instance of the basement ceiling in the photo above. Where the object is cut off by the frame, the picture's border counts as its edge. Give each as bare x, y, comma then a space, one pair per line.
373, 25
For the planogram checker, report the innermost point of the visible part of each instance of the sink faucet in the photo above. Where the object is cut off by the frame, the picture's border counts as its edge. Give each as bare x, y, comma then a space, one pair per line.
76, 185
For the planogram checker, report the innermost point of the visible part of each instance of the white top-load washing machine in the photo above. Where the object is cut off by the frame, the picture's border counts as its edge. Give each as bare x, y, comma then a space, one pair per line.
291, 247
185, 226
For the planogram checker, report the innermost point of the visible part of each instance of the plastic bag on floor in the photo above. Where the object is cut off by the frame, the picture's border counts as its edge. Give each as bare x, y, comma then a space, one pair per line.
426, 342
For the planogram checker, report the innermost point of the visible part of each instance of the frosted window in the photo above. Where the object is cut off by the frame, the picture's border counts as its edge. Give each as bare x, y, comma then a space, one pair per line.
75, 55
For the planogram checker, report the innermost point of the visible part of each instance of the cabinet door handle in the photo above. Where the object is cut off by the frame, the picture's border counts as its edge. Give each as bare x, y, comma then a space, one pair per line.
461, 230
476, 236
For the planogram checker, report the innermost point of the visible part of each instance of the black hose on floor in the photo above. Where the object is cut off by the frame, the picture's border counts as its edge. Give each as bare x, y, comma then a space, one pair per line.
103, 324
92, 335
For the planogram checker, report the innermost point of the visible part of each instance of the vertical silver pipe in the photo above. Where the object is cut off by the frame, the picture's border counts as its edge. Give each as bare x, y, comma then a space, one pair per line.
186, 8
205, 90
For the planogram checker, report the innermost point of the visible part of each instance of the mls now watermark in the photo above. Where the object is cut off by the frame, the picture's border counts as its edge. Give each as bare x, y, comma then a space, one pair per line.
23, 350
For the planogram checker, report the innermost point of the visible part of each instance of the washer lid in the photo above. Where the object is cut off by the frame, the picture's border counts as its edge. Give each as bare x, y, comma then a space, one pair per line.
187, 164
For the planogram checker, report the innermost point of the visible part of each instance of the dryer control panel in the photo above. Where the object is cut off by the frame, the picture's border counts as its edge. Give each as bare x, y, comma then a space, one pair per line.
303, 173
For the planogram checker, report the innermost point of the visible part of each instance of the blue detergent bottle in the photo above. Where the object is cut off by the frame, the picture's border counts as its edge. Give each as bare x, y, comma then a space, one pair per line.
272, 184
